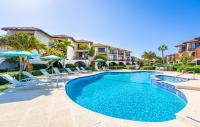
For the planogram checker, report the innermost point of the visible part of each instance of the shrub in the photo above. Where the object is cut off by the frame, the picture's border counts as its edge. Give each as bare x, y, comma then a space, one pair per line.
90, 68
196, 68
191, 63
69, 66
147, 63
148, 68
117, 67
131, 67
39, 66
176, 66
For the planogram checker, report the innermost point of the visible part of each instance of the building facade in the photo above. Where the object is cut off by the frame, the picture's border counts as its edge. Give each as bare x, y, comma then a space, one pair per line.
116, 56
75, 54
189, 48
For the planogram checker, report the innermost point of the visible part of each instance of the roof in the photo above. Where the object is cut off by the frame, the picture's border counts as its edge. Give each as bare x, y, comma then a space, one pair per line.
63, 36
180, 45
84, 41
171, 54
36, 29
103, 45
25, 29
100, 45
197, 38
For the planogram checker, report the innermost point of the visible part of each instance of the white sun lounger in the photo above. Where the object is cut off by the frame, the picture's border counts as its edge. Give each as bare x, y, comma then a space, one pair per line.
70, 71
105, 69
81, 71
56, 70
96, 68
18, 83
31, 77
85, 70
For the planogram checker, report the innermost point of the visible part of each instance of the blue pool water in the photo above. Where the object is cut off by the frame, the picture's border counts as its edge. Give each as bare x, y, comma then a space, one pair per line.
128, 96
171, 78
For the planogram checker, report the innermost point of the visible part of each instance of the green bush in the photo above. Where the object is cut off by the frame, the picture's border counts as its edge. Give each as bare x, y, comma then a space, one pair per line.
69, 66
117, 67
90, 68
146, 63
176, 66
196, 68
191, 63
148, 68
39, 66
131, 67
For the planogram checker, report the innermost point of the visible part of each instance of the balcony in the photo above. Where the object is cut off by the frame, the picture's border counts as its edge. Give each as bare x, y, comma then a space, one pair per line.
191, 48
113, 52
114, 59
128, 55
121, 60
80, 58
121, 54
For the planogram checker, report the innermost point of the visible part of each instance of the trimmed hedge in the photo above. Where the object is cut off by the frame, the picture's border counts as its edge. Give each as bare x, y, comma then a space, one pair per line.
148, 68
176, 66
39, 66
117, 67
196, 68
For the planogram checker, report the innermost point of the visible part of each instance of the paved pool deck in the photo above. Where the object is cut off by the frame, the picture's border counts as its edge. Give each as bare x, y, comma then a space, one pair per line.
49, 106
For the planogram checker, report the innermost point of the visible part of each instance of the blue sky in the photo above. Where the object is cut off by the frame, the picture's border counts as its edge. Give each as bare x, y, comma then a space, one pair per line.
137, 25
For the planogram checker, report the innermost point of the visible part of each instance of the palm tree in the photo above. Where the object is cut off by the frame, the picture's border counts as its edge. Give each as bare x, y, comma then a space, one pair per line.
62, 46
22, 41
149, 55
85, 47
163, 48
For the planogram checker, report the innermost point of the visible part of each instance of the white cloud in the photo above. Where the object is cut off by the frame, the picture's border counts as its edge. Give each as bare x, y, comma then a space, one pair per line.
25, 3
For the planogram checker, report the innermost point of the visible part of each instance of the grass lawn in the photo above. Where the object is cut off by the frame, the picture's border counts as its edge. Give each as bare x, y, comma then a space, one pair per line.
5, 87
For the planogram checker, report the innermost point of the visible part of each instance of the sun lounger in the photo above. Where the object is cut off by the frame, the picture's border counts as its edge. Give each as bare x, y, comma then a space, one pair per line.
31, 77
105, 69
70, 71
56, 70
85, 70
18, 83
81, 71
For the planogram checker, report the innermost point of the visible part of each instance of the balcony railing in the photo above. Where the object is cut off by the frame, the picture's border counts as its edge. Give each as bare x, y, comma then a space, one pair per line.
80, 58
113, 52
115, 59
191, 48
121, 54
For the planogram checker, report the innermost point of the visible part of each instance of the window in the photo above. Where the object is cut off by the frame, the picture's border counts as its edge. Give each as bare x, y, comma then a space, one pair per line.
102, 50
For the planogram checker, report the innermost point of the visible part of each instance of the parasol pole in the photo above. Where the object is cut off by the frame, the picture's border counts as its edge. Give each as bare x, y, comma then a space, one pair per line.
20, 68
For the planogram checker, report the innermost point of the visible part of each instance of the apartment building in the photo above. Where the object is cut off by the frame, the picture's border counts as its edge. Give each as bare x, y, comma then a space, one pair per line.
115, 55
189, 48
76, 54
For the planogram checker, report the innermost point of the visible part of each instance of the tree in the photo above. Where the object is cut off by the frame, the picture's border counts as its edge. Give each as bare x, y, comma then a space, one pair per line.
101, 56
91, 51
185, 60
163, 48
22, 41
60, 48
149, 55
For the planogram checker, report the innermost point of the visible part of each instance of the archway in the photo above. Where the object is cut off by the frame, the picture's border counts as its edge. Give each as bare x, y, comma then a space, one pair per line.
121, 64
80, 64
112, 64
193, 54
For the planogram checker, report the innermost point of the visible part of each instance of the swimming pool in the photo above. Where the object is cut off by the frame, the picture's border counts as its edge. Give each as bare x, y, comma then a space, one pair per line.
124, 95
171, 78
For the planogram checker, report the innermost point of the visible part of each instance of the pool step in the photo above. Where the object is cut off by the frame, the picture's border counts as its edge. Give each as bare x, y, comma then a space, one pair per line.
188, 87
189, 120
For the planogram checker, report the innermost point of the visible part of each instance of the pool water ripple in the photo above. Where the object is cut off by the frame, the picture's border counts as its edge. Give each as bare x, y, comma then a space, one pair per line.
128, 96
